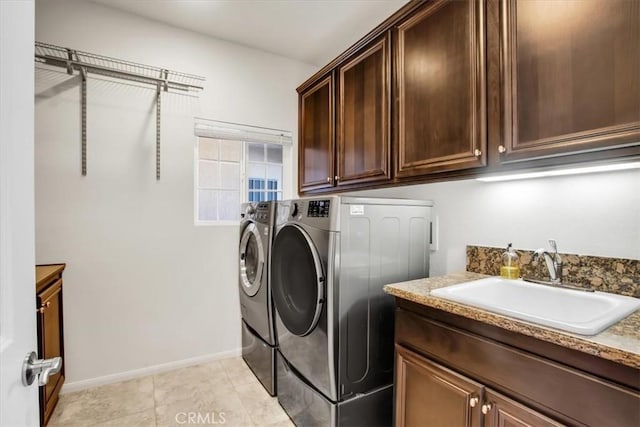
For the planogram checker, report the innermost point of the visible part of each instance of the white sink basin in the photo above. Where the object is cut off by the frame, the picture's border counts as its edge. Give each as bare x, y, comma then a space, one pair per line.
584, 313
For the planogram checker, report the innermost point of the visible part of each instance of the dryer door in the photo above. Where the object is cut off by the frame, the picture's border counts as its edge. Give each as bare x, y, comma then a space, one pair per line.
297, 280
251, 260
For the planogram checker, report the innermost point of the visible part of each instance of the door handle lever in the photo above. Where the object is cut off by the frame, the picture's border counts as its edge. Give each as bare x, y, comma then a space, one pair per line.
33, 367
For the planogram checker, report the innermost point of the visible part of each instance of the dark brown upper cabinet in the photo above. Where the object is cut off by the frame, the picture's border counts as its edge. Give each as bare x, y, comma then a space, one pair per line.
569, 77
440, 88
457, 88
363, 146
316, 135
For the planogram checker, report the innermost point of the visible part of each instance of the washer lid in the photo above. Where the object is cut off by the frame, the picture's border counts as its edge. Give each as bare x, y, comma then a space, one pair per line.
251, 260
297, 280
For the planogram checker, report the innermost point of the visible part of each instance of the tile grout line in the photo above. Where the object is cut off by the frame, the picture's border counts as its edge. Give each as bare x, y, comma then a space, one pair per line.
267, 402
135, 412
117, 418
155, 406
235, 389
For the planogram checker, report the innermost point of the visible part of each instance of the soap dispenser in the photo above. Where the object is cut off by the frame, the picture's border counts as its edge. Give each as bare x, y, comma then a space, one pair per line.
510, 268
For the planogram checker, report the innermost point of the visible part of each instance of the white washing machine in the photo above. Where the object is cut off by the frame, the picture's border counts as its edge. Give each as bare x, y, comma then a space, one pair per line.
331, 257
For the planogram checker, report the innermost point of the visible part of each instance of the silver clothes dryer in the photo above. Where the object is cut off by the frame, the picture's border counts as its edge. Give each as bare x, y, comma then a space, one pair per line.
331, 257
258, 334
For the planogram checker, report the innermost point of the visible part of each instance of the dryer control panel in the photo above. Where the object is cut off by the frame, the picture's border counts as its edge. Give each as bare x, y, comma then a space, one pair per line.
262, 211
318, 208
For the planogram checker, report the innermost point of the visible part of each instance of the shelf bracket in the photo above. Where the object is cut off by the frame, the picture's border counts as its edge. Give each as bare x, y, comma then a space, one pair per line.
83, 110
83, 107
158, 110
165, 79
69, 62
163, 84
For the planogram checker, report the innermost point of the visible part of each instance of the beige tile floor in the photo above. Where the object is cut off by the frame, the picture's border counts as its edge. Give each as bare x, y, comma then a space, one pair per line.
223, 392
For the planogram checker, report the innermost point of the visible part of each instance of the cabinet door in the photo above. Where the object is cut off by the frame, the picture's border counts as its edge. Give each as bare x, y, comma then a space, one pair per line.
363, 116
500, 411
428, 394
441, 89
315, 155
570, 76
50, 341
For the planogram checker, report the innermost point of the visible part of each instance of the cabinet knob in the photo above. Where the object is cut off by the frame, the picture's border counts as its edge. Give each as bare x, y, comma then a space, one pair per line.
501, 149
328, 179
43, 307
486, 408
474, 401
337, 178
477, 152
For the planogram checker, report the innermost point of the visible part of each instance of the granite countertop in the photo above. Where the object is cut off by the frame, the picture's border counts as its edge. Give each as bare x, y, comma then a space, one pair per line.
619, 343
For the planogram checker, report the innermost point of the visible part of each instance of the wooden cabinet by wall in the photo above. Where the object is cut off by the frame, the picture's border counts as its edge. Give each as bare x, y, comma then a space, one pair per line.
315, 152
363, 153
428, 394
50, 332
440, 88
570, 76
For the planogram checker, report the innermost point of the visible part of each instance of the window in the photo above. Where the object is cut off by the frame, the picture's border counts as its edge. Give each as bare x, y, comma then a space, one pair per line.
236, 164
264, 172
218, 179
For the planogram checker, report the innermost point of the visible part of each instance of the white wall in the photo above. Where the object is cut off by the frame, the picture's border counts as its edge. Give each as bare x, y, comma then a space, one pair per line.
143, 285
596, 214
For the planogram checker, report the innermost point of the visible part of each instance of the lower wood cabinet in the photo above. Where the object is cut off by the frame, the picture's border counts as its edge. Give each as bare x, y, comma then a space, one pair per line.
50, 332
428, 394
454, 371
502, 411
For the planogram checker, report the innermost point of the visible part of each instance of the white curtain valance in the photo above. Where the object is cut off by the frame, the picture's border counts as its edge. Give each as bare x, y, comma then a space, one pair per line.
237, 132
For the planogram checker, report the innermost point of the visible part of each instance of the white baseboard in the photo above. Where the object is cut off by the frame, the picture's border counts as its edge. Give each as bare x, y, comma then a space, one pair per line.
71, 387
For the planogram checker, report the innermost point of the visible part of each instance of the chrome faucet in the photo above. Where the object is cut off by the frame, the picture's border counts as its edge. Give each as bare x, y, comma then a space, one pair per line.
553, 261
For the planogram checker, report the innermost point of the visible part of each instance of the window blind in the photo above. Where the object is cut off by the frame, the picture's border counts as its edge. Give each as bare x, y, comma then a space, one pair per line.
237, 132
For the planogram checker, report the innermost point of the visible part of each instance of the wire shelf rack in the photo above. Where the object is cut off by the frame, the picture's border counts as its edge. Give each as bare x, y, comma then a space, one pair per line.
83, 62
